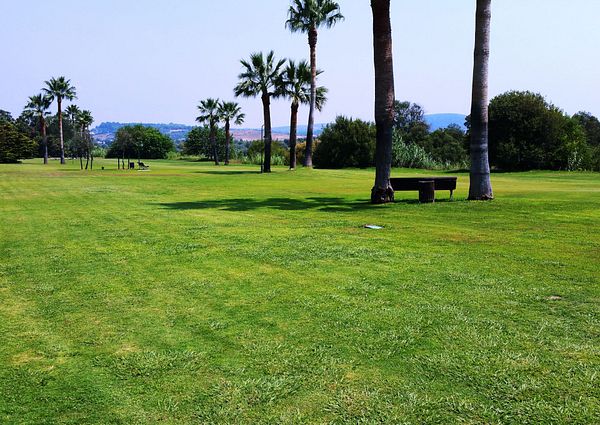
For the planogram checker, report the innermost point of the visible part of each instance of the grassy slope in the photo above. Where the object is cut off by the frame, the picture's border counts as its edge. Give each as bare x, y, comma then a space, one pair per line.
192, 293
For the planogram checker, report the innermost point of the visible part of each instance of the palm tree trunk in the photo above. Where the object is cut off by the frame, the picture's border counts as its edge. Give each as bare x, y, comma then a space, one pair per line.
60, 131
312, 42
293, 134
227, 136
266, 100
44, 139
213, 141
480, 187
382, 191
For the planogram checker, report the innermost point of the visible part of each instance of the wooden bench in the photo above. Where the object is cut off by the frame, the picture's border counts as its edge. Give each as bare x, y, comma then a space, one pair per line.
425, 185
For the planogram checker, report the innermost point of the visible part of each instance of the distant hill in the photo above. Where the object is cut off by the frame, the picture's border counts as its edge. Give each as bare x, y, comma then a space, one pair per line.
104, 133
437, 121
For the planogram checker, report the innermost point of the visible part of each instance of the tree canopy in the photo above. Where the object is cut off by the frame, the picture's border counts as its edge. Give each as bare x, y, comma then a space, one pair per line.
138, 141
14, 145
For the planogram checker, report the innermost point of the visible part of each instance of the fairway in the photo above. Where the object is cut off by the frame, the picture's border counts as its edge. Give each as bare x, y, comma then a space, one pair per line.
191, 293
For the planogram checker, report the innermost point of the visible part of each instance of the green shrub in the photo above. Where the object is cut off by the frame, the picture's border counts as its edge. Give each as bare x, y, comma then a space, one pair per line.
346, 143
410, 155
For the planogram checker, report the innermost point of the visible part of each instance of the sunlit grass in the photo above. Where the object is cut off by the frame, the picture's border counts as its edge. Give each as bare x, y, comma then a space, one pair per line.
191, 293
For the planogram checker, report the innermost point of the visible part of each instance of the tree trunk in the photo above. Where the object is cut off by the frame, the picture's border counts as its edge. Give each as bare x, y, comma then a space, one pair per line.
60, 131
480, 187
382, 191
80, 161
213, 141
227, 136
312, 42
266, 100
44, 139
293, 134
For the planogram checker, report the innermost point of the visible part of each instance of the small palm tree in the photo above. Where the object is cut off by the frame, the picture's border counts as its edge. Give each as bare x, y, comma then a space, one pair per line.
259, 78
72, 112
230, 112
60, 88
480, 185
39, 105
85, 120
209, 113
382, 191
294, 84
307, 16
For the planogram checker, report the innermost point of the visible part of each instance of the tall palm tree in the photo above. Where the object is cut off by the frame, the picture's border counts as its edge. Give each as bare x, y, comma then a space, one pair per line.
294, 84
307, 16
73, 112
480, 186
39, 105
60, 88
259, 78
230, 112
382, 191
85, 120
209, 114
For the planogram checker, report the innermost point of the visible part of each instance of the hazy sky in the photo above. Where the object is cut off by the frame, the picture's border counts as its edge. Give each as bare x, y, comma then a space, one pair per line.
153, 60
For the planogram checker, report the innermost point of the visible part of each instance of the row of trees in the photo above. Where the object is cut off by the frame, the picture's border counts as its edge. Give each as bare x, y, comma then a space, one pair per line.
36, 123
266, 77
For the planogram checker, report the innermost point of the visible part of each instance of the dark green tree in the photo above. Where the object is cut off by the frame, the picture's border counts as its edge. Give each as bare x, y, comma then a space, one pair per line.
446, 145
259, 78
409, 122
138, 141
346, 143
6, 116
198, 142
14, 145
526, 132
307, 16
591, 125
58, 89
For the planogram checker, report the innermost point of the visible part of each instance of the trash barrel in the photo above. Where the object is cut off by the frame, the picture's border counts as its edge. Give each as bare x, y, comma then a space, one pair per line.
426, 191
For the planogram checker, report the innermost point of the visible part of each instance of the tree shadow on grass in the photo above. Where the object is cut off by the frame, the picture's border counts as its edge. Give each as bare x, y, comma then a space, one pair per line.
228, 172
326, 204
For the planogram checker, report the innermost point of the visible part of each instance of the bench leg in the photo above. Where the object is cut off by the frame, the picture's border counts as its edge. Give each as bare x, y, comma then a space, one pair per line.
452, 195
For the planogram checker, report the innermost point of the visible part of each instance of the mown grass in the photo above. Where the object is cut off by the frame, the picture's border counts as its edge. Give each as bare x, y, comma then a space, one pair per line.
197, 294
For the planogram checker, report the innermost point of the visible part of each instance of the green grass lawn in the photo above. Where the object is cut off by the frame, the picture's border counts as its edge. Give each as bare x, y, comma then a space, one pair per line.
199, 294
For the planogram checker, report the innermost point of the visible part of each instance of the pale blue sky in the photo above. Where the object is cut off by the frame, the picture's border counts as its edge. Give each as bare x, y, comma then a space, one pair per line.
153, 60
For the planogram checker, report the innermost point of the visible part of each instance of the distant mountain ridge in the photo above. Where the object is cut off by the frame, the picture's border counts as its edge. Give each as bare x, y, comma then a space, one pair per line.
437, 121
105, 132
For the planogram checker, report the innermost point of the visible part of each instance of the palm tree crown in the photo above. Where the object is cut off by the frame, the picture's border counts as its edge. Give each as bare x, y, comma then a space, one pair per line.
294, 84
72, 112
60, 88
306, 15
259, 76
84, 118
39, 104
231, 112
209, 111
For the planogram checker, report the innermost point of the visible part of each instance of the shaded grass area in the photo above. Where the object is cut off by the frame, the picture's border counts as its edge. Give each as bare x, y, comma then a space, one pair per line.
197, 294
